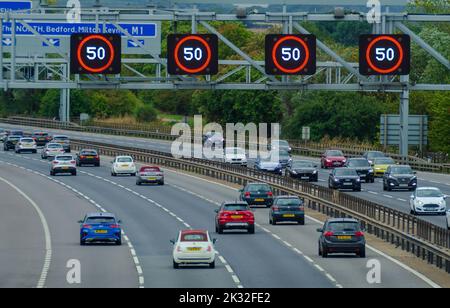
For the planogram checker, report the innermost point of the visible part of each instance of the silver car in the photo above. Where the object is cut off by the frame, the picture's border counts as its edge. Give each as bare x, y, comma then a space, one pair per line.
26, 145
51, 150
63, 164
64, 141
150, 175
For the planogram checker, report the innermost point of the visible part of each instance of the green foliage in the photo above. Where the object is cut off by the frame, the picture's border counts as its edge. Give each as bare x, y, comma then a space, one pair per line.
146, 113
174, 102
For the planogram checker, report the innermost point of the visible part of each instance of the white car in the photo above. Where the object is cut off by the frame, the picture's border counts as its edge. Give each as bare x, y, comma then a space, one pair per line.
428, 200
51, 150
63, 164
213, 139
123, 165
448, 219
235, 156
26, 145
194, 247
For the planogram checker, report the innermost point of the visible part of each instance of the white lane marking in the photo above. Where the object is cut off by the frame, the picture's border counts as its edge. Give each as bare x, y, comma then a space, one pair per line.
403, 200
373, 192
48, 238
388, 196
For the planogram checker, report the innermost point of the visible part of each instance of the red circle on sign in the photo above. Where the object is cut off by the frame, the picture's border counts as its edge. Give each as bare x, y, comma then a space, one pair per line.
279, 66
377, 69
84, 65
208, 50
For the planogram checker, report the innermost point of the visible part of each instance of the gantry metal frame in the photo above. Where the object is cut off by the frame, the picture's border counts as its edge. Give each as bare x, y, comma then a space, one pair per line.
51, 71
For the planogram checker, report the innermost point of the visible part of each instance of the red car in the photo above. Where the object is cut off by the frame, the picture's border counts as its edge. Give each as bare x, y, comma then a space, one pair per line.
332, 159
235, 216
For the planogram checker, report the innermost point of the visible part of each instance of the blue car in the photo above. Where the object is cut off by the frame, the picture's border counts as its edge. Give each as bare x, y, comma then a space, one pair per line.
100, 227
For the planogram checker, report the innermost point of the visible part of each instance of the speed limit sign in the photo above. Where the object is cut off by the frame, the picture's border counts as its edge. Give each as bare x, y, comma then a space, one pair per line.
95, 54
384, 55
193, 54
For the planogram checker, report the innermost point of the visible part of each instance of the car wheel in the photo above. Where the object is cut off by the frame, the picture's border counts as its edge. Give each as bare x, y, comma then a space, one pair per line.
212, 265
113, 174
372, 180
119, 242
319, 250
362, 253
97, 165
274, 221
161, 183
219, 230
251, 230
138, 183
133, 174
301, 221
324, 253
52, 173
175, 265
74, 173
82, 243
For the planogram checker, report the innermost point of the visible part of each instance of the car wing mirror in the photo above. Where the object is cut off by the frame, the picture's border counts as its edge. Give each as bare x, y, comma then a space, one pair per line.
119, 221
214, 240
320, 230
80, 221
172, 241
216, 210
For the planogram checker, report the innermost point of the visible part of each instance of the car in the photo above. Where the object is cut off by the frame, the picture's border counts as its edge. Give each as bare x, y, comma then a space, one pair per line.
63, 164
268, 165
16, 133
342, 235
41, 138
235, 216
371, 155
235, 156
51, 150
213, 139
88, 157
149, 175
10, 142
26, 145
448, 219
287, 209
428, 200
194, 247
303, 170
123, 165
100, 227
257, 194
3, 134
399, 177
381, 164
283, 145
363, 168
344, 178
332, 159
285, 158
64, 141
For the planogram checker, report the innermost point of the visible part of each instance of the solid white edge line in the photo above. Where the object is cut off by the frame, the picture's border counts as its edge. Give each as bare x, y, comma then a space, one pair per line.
48, 238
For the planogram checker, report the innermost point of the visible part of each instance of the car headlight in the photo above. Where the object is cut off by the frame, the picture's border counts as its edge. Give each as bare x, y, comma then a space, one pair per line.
419, 203
370, 170
315, 172
294, 172
442, 203
358, 180
336, 180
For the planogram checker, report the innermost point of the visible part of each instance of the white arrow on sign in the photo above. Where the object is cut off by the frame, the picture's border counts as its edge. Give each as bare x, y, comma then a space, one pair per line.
133, 44
7, 42
53, 42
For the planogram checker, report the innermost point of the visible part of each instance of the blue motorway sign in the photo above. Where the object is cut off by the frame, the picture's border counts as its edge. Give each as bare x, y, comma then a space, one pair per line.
9, 6
67, 29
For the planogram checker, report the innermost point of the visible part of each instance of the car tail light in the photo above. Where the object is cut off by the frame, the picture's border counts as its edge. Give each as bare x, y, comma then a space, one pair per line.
301, 208
87, 227
247, 194
82, 157
270, 194
114, 226
275, 208
328, 234
359, 234
73, 162
97, 157
209, 249
55, 162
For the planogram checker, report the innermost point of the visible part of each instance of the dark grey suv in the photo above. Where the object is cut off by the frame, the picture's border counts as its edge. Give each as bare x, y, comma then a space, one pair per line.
342, 235
399, 177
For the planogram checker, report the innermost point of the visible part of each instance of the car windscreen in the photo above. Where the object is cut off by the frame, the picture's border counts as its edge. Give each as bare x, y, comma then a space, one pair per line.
401, 170
40, 134
384, 161
345, 172
194, 237
302, 165
235, 207
150, 169
289, 202
64, 158
429, 193
14, 138
358, 163
124, 160
91, 153
375, 154
258, 187
284, 154
17, 133
281, 143
101, 220
335, 153
54, 146
343, 227
27, 140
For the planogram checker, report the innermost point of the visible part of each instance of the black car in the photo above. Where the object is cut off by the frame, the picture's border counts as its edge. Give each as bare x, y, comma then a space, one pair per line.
10, 142
41, 138
399, 177
257, 194
363, 168
342, 235
346, 178
371, 155
88, 157
287, 209
303, 170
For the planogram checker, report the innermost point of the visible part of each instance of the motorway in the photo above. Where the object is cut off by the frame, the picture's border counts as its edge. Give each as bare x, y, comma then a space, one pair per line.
283, 256
398, 200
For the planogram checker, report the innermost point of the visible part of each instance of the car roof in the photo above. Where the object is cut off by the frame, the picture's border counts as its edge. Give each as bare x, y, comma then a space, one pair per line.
358, 158
235, 203
59, 136
26, 138
88, 150
304, 161
101, 215
332, 220
54, 143
428, 188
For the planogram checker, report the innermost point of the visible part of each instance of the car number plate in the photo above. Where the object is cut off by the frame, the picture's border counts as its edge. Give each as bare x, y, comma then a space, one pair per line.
194, 249
151, 178
403, 185
237, 217
65, 168
124, 166
259, 200
348, 183
101, 231
89, 157
305, 177
288, 215
344, 238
